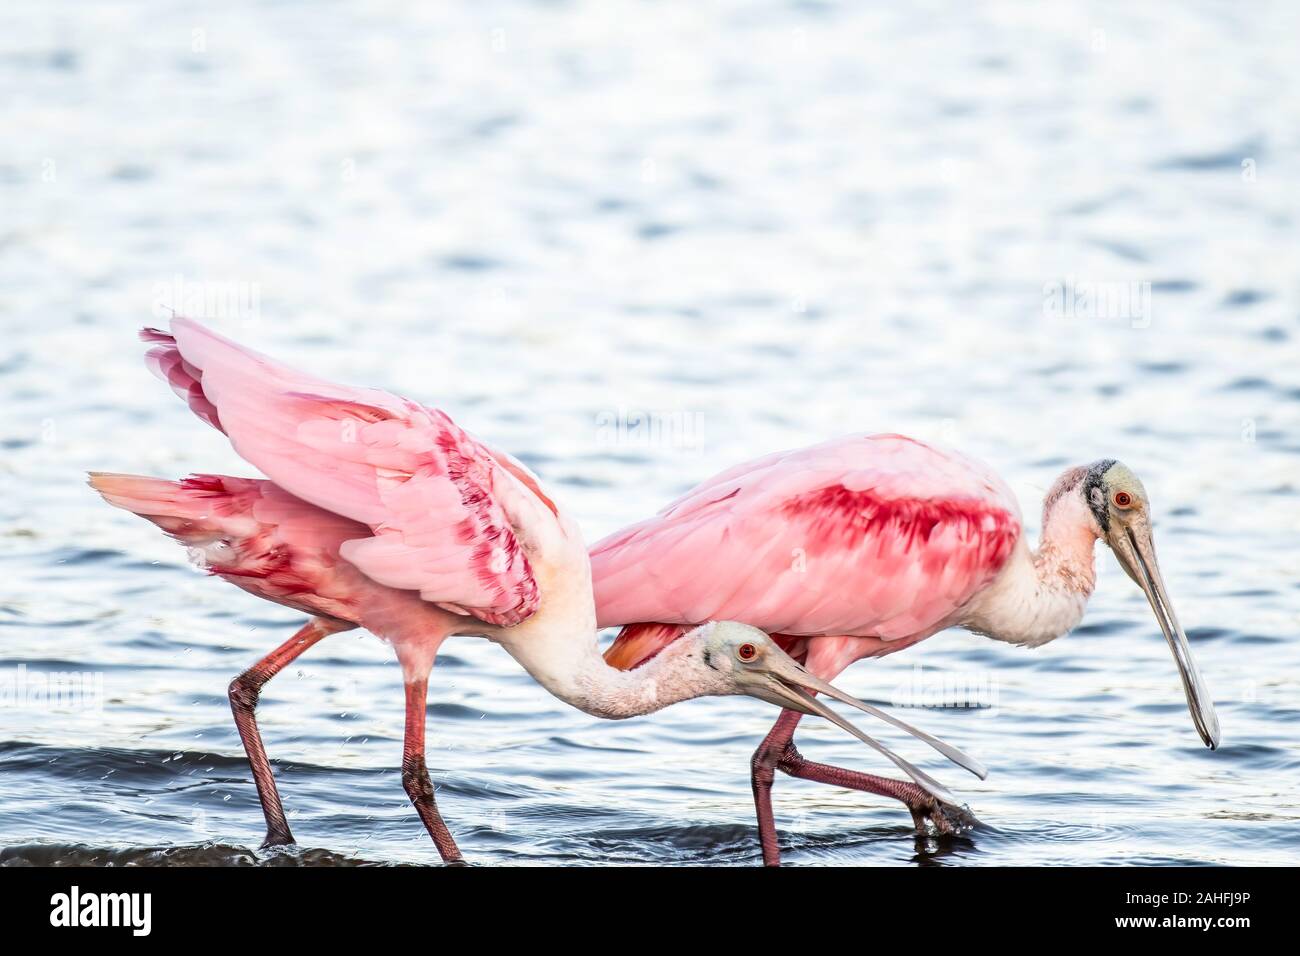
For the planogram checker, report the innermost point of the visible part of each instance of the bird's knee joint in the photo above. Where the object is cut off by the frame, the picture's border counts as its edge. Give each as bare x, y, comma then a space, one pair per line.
244, 692
415, 778
765, 759
792, 760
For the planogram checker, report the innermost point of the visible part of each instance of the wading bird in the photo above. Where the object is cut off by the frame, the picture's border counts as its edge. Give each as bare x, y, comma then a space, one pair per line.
863, 546
383, 514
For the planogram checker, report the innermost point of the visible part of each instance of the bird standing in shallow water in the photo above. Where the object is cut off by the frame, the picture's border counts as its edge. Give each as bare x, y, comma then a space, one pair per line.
382, 513
862, 546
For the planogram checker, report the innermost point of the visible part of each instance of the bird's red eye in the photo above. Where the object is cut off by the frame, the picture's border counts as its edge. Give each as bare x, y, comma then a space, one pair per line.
1123, 499
747, 652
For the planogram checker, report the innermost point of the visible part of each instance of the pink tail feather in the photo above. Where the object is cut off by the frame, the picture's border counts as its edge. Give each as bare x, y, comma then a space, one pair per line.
188, 509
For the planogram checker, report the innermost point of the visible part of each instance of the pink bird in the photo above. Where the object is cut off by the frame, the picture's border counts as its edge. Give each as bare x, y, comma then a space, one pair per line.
383, 514
863, 546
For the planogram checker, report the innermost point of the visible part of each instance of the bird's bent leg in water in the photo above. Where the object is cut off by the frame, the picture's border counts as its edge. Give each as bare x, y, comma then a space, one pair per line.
946, 818
778, 752
415, 774
244, 692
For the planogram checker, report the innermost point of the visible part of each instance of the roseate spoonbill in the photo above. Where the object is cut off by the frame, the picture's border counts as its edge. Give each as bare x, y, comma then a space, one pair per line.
382, 513
862, 546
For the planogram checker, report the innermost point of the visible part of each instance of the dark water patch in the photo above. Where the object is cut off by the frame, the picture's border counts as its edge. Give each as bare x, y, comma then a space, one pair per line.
1056, 370
1158, 708
470, 262
1066, 668
490, 127
205, 854
130, 173
1108, 200
1229, 159
144, 766
1247, 383
153, 641
1174, 286
149, 566
463, 712
665, 843
1119, 743
1099, 830
1163, 368
87, 763
1121, 250
882, 843
568, 743
1105, 626
80, 556
581, 480
1100, 697
651, 231
272, 624
1244, 298
1257, 639
1147, 859
446, 661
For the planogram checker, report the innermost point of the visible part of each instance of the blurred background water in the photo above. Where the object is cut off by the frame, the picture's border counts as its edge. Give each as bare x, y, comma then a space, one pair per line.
635, 243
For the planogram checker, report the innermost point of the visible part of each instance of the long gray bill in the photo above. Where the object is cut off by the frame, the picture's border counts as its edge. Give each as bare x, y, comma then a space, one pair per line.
963, 760
1199, 702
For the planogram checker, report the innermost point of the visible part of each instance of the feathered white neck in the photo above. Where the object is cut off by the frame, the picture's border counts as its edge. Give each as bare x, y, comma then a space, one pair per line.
557, 646
571, 667
1040, 595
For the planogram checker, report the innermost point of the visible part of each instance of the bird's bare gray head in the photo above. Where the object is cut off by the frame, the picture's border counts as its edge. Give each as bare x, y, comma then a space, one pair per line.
741, 659
1119, 505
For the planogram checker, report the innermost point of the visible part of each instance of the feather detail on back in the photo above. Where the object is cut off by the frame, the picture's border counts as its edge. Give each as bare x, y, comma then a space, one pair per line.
869, 536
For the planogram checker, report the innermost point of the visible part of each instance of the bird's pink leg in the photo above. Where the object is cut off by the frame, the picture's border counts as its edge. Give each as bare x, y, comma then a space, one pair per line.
244, 692
762, 771
415, 774
946, 819
778, 752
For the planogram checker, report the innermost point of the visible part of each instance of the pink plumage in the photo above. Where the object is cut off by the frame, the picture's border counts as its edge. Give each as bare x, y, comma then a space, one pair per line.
865, 545
853, 548
381, 513
877, 538
252, 533
439, 506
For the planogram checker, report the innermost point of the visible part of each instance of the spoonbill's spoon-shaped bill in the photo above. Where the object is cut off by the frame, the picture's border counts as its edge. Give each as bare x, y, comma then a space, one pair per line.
1119, 502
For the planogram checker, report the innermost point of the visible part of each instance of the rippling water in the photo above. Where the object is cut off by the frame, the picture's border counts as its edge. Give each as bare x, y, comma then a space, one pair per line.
759, 225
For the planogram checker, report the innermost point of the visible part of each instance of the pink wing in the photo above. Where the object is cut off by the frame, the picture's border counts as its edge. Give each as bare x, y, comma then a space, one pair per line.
443, 509
871, 536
